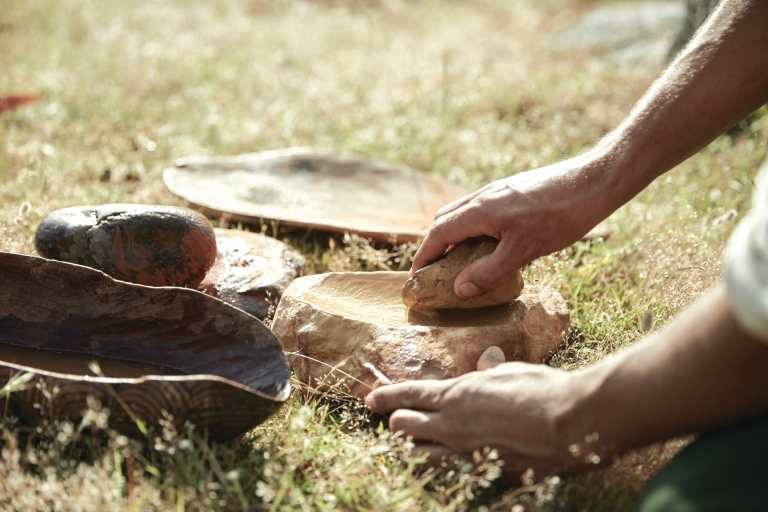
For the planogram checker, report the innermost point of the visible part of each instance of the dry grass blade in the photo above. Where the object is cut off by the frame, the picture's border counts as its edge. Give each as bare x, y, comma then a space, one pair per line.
334, 368
470, 91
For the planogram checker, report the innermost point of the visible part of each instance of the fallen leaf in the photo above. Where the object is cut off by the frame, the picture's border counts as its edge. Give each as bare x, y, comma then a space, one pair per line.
14, 102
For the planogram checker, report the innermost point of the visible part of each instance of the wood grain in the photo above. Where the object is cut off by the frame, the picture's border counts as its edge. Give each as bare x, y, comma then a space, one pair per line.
236, 373
310, 188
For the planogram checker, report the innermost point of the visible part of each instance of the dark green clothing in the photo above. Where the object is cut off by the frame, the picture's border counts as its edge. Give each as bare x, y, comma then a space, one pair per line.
725, 469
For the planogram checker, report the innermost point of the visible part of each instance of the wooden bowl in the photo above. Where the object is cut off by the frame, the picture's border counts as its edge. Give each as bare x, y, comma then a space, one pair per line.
311, 188
159, 349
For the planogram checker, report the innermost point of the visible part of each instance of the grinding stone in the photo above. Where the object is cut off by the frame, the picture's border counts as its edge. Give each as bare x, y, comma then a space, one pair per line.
431, 287
357, 323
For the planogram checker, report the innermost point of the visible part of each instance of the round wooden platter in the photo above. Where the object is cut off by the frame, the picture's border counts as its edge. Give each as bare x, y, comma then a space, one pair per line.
310, 188
159, 349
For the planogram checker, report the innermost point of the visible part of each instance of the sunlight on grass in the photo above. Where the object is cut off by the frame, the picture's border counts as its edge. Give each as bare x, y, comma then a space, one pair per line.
470, 91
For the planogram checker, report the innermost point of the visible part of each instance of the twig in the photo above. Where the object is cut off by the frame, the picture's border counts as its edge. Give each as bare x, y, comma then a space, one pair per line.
333, 368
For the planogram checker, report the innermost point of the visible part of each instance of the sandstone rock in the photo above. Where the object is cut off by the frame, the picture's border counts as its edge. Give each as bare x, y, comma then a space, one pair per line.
355, 324
431, 287
150, 245
251, 271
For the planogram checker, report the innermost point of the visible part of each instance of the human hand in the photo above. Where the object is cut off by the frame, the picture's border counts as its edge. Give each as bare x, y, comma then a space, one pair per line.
531, 214
516, 408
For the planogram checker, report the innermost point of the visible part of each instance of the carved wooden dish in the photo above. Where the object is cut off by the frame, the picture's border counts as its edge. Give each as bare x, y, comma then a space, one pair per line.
164, 348
313, 189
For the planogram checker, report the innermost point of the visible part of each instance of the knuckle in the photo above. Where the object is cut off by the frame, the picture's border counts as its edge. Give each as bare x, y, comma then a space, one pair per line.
486, 277
410, 397
439, 226
442, 211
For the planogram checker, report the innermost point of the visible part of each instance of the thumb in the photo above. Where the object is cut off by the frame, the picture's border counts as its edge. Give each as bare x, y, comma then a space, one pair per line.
491, 358
488, 272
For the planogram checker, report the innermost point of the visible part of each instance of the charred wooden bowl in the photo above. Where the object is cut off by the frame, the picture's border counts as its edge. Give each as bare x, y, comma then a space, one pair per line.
160, 349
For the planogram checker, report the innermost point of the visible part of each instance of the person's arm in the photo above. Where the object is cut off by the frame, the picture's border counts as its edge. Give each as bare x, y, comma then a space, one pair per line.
701, 371
718, 79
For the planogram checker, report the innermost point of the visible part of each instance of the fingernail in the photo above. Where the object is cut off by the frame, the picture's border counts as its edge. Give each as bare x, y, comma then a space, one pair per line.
468, 290
370, 402
496, 353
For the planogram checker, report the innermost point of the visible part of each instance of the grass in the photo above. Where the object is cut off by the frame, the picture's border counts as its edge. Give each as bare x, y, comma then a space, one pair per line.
470, 91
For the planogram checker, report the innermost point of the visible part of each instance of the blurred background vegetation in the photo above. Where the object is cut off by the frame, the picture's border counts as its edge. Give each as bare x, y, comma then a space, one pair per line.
469, 90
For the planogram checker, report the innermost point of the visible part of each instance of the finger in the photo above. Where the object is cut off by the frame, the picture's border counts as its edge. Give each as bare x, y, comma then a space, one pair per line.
421, 426
437, 454
491, 358
424, 395
430, 250
445, 210
490, 271
445, 231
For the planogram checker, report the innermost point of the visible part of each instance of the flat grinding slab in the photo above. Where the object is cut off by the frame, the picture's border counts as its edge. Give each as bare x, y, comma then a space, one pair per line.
309, 188
355, 324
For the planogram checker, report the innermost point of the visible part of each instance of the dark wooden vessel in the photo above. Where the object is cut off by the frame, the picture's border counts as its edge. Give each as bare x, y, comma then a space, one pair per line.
221, 368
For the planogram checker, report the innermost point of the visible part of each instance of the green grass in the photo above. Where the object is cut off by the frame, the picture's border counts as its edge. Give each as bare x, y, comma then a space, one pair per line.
470, 91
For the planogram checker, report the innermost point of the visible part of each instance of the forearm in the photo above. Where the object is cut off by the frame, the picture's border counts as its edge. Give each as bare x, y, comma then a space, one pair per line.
702, 371
720, 78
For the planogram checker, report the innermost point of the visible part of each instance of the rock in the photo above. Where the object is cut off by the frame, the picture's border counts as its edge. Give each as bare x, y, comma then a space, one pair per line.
626, 33
431, 287
251, 271
354, 329
149, 245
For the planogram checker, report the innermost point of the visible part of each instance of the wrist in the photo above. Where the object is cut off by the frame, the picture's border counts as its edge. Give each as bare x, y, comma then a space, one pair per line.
591, 428
597, 179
